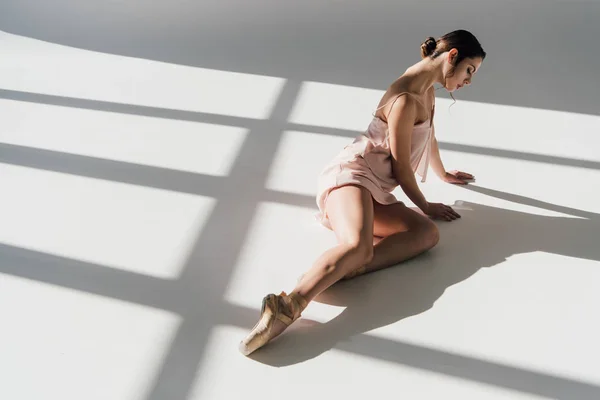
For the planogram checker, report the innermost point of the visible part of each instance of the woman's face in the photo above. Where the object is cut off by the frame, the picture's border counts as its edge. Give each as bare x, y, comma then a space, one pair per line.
463, 73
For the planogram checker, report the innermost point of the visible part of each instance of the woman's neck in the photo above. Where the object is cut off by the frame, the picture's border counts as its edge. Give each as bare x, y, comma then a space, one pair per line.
424, 74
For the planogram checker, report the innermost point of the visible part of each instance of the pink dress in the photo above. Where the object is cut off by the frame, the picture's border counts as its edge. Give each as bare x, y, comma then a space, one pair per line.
367, 162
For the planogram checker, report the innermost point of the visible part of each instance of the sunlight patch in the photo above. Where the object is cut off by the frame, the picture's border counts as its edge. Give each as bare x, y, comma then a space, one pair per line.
335, 106
35, 66
293, 239
519, 129
180, 145
77, 345
300, 158
123, 226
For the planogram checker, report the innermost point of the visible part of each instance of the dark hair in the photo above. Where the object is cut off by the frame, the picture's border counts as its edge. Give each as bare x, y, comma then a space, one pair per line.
464, 41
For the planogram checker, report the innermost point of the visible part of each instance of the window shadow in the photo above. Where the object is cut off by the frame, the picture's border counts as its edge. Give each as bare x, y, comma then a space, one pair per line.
491, 235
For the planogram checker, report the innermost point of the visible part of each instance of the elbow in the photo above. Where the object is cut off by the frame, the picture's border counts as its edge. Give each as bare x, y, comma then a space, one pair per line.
403, 174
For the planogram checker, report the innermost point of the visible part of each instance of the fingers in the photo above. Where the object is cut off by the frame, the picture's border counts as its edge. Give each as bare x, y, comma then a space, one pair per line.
464, 175
447, 217
454, 213
449, 214
456, 181
444, 212
461, 175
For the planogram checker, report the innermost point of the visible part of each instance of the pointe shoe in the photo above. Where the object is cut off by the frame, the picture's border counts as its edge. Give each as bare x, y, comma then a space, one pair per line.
282, 307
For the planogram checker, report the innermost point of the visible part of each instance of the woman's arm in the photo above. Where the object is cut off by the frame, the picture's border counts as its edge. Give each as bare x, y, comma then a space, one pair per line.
401, 120
436, 160
456, 177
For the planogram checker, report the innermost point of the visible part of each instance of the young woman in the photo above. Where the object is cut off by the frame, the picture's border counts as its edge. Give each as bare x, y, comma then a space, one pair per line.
373, 229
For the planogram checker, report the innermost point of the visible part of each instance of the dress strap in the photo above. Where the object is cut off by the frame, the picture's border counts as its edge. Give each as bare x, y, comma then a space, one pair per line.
393, 100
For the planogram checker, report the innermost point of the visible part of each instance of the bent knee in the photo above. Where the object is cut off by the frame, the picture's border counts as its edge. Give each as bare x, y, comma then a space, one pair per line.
430, 235
363, 250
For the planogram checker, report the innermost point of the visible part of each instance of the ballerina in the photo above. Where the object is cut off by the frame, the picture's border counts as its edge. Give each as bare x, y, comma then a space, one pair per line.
373, 228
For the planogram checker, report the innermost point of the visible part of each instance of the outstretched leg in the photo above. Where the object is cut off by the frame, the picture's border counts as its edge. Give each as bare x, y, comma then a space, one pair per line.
351, 211
405, 234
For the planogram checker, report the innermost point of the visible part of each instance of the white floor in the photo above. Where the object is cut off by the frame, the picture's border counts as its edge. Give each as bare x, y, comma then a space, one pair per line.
146, 207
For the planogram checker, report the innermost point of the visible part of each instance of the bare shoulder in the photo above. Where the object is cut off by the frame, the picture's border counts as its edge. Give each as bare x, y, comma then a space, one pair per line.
404, 108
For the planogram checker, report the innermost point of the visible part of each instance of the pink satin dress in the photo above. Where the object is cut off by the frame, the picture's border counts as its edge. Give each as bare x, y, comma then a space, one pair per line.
367, 162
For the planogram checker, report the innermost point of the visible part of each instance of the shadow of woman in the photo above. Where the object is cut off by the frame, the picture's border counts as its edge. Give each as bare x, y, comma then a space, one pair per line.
484, 237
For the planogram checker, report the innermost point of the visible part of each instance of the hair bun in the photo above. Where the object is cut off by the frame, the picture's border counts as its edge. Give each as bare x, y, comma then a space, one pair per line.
428, 47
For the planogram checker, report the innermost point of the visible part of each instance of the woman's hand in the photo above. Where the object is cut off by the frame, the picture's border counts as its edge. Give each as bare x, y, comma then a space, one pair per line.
458, 177
441, 211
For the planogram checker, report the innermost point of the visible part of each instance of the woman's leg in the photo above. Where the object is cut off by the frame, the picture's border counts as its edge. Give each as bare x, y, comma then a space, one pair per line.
350, 212
405, 232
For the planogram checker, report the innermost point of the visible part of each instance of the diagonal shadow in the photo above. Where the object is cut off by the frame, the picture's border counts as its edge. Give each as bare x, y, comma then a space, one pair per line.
391, 295
463, 367
112, 170
130, 109
137, 174
91, 278
151, 291
165, 113
519, 199
95, 279
214, 256
253, 124
520, 155
442, 362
